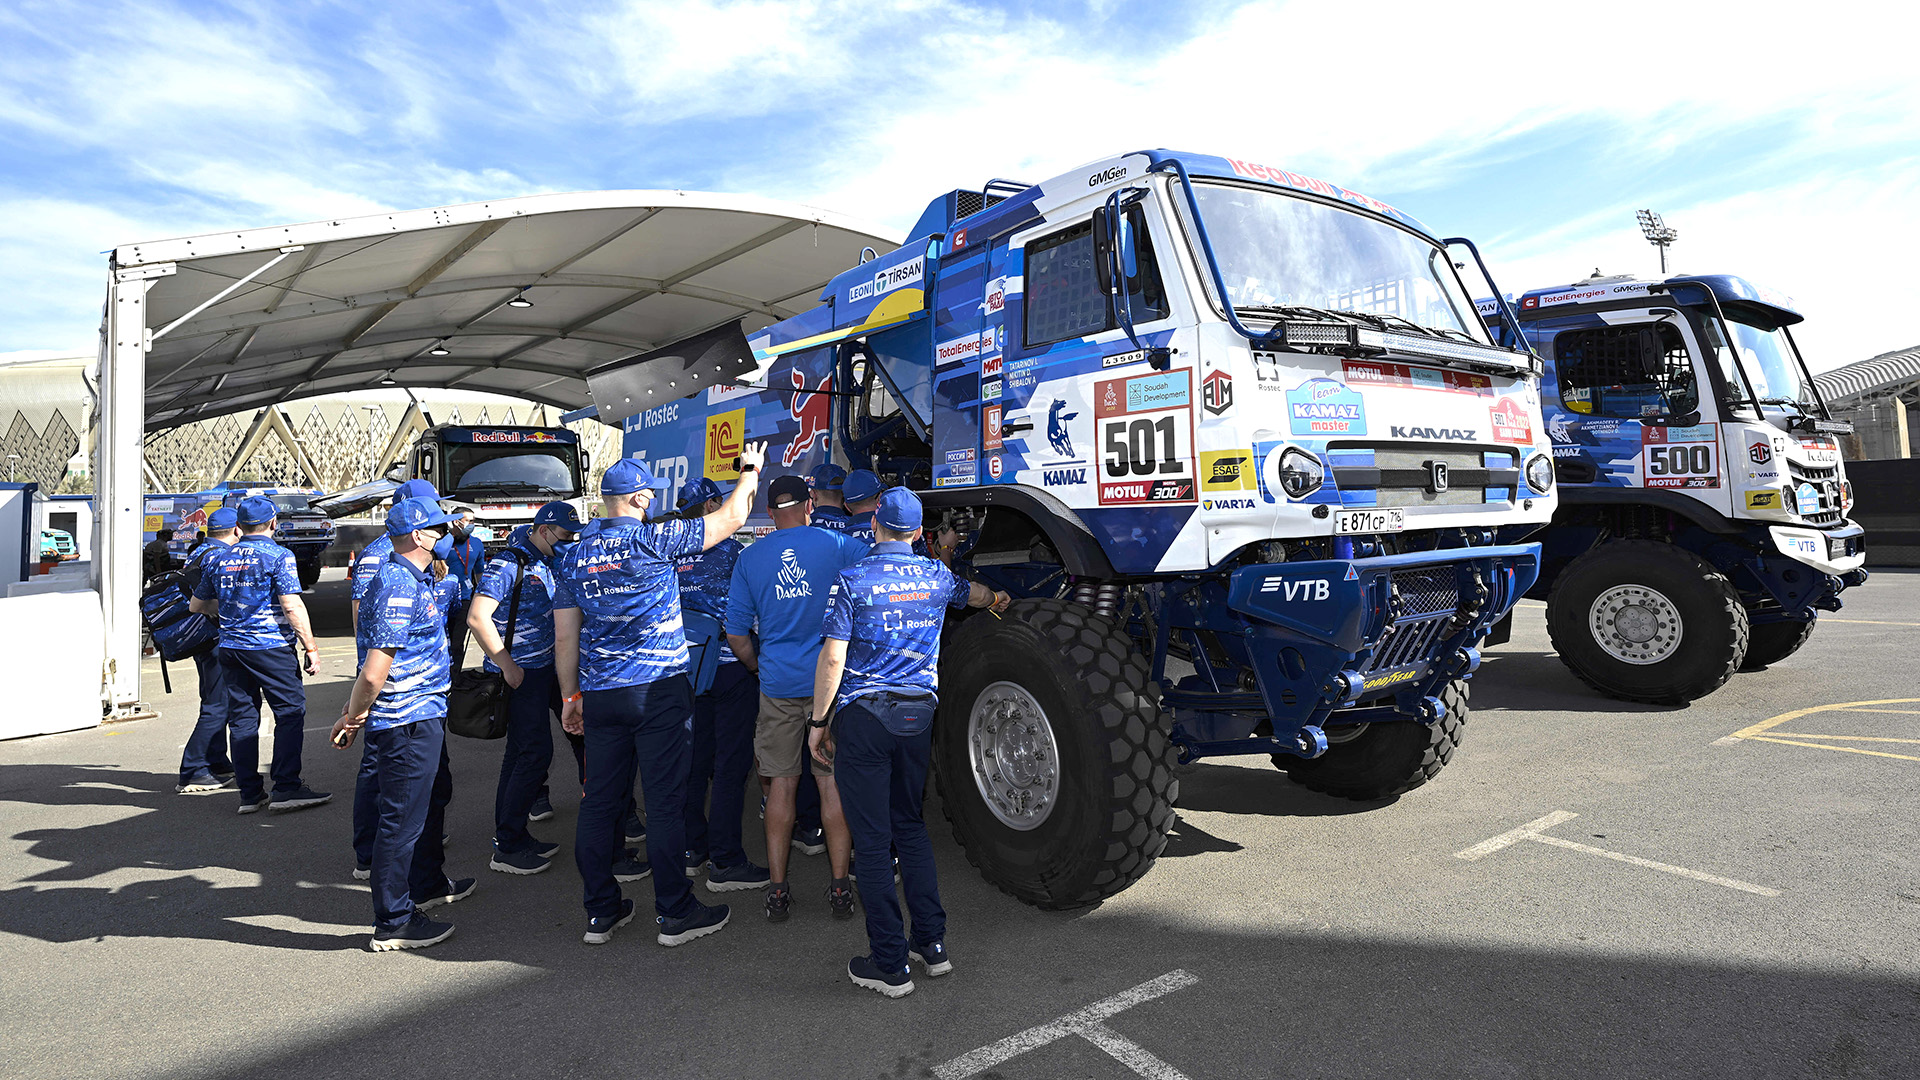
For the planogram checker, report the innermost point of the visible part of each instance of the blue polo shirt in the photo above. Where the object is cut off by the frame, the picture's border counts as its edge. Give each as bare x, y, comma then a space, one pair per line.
465, 564
860, 527
376, 552
889, 608
248, 580
401, 612
621, 576
533, 630
196, 565
704, 581
780, 586
829, 517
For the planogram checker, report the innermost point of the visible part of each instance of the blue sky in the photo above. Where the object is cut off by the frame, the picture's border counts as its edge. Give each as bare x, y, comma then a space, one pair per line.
1785, 145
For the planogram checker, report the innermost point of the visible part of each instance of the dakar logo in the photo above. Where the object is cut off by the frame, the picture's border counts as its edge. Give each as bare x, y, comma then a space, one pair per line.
812, 410
1057, 435
793, 579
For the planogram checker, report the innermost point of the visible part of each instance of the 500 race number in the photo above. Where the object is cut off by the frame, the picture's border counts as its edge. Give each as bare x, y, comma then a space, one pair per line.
1682, 465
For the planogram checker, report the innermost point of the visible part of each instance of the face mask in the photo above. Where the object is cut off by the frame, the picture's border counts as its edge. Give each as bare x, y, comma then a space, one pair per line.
562, 549
443, 547
458, 531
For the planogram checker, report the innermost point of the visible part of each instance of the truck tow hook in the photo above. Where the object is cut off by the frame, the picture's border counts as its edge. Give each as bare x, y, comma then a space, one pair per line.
1312, 741
1430, 710
1344, 687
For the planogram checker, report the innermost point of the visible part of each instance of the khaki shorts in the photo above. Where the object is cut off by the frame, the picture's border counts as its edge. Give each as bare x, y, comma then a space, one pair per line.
780, 737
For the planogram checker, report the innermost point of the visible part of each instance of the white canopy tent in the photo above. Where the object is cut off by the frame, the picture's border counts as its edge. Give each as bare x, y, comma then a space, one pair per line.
519, 296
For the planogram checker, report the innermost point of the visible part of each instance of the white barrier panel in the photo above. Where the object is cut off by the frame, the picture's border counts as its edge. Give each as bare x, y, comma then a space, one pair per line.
50, 662
18, 540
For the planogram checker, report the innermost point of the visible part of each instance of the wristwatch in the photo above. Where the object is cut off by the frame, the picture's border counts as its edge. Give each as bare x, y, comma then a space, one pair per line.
821, 723
749, 468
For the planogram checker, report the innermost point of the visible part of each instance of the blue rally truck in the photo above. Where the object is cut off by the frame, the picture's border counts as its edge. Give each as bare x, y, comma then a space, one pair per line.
1703, 503
1235, 439
504, 473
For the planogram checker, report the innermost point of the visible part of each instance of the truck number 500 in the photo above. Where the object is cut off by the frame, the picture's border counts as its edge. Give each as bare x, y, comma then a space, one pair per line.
1130, 447
1694, 460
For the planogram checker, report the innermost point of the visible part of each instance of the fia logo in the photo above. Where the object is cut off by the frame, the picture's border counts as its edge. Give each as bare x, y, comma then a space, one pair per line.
1057, 435
793, 578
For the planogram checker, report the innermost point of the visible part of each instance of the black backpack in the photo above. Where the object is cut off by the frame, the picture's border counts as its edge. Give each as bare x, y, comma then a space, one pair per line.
178, 631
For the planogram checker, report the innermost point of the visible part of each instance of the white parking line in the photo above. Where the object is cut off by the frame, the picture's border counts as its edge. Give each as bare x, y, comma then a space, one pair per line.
1534, 831
1086, 1023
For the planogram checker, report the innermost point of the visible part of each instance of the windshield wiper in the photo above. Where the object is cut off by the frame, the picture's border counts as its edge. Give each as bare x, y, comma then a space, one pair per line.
508, 485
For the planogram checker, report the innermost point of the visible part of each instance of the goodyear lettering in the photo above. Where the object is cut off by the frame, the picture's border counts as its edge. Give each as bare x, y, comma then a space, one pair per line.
1063, 477
1389, 679
1450, 433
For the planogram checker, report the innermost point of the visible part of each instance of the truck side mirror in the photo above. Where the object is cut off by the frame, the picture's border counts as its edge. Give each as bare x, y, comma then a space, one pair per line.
586, 465
396, 472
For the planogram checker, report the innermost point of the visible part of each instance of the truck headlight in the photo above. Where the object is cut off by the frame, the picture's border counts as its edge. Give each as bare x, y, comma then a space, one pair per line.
1846, 496
1540, 473
1301, 473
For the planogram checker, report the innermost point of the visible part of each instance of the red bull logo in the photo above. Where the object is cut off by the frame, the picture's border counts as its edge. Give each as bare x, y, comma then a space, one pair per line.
812, 410
542, 437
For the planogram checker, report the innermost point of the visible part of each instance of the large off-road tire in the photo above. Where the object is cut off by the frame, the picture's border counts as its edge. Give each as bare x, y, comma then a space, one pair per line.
1055, 765
309, 573
1644, 621
1770, 643
1383, 760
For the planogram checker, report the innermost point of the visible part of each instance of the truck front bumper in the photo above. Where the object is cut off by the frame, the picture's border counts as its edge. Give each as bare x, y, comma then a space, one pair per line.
1349, 641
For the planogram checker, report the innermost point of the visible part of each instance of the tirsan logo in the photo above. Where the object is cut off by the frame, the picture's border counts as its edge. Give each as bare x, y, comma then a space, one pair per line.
1448, 433
1310, 589
888, 280
1228, 504
1107, 176
1063, 477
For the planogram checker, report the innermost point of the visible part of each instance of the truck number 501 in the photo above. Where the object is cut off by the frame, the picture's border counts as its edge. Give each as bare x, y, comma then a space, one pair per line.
1131, 445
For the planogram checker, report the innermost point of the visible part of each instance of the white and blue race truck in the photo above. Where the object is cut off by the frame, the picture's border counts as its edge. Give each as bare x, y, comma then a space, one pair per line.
1235, 438
1703, 503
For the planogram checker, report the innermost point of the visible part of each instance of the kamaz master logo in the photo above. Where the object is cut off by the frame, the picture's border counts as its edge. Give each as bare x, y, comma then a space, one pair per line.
1453, 434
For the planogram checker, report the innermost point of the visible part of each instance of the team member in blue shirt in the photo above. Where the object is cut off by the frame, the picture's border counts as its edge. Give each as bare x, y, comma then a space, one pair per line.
722, 717
519, 582
400, 697
246, 587
359, 579
204, 765
829, 512
862, 492
464, 563
780, 587
879, 671
621, 655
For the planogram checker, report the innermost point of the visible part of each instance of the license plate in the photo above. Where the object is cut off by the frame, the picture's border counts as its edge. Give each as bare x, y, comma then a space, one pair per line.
1836, 549
1369, 521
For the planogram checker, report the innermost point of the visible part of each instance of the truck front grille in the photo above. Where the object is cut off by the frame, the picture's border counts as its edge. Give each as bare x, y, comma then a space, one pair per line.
1402, 474
1826, 481
1422, 605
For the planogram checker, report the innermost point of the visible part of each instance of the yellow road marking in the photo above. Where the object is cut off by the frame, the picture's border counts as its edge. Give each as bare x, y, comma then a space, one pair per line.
1903, 712
1774, 722
1823, 746
1847, 738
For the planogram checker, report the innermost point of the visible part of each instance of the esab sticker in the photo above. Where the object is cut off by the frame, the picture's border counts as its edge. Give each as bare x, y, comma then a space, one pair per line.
1680, 457
1145, 429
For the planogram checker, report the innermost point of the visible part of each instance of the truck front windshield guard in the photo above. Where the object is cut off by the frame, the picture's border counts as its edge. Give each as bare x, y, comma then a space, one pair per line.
1507, 315
1725, 330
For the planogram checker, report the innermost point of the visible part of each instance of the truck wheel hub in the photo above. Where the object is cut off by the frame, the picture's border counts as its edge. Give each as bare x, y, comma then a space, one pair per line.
1635, 624
1016, 764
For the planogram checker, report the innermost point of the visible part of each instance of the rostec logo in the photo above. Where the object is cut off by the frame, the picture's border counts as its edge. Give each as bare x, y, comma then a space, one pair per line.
1216, 392
1310, 589
1107, 176
1063, 477
496, 436
1760, 452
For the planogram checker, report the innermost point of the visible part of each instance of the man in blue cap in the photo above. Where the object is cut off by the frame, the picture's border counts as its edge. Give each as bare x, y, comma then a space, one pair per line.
518, 582
829, 512
253, 588
204, 765
722, 717
878, 673
621, 654
862, 492
359, 579
775, 603
400, 697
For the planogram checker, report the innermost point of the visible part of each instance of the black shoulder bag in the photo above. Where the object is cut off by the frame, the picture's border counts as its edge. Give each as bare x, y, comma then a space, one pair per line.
477, 703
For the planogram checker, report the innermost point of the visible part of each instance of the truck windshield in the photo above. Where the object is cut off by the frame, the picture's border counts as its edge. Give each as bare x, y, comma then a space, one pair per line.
289, 502
1768, 358
1279, 251
512, 469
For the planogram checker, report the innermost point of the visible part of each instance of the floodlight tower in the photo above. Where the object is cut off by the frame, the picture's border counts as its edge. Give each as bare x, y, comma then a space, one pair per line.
1657, 233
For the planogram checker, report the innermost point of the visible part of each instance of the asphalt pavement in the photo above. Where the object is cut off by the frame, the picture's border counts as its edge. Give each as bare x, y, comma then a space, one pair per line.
1590, 889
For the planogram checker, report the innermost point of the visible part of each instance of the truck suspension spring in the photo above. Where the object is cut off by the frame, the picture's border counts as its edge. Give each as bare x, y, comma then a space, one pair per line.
1103, 599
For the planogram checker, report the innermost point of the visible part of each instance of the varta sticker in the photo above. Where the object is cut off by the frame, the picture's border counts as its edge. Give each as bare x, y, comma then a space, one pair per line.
1228, 504
1226, 470
1325, 407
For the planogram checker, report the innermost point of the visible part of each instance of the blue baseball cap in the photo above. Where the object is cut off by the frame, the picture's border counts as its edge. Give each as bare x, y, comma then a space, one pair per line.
223, 519
410, 514
827, 476
628, 475
557, 513
416, 489
860, 486
257, 510
899, 510
698, 491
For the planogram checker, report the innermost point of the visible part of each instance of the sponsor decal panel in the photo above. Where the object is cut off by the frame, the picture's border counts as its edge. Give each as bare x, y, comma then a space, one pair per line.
725, 433
885, 281
1584, 294
991, 366
665, 414
990, 433
1298, 589
1806, 498
990, 390
962, 348
1763, 500
1325, 407
1510, 423
996, 291
1226, 470
1298, 182
1820, 450
994, 466
1216, 391
1370, 373
1760, 452
1680, 457
1440, 434
1144, 439
956, 456
1228, 504
1392, 678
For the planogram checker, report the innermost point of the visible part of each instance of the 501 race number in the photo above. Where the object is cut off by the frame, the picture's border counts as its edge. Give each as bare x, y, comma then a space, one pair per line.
1142, 447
